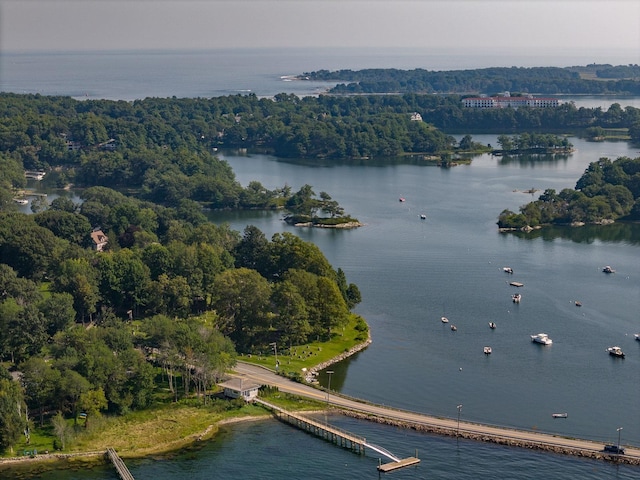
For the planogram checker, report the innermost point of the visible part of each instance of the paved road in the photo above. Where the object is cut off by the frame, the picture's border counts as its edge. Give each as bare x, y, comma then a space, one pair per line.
267, 377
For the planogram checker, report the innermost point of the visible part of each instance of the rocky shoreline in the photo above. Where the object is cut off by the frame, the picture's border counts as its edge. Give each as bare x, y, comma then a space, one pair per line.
313, 371
575, 452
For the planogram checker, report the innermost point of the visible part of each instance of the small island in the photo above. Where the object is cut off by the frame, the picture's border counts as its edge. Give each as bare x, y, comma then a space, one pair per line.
606, 192
304, 207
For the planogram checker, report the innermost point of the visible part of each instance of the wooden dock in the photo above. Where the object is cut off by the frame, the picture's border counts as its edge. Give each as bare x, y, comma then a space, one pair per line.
338, 436
405, 462
328, 432
516, 284
121, 468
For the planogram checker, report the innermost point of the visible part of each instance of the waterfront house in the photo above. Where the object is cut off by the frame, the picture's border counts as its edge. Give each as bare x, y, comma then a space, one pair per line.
99, 239
240, 388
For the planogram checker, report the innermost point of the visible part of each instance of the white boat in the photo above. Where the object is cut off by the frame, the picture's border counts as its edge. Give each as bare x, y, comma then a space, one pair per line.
487, 350
454, 328
21, 201
492, 325
615, 352
637, 335
423, 216
541, 338
608, 269
401, 199
444, 319
516, 297
507, 269
559, 415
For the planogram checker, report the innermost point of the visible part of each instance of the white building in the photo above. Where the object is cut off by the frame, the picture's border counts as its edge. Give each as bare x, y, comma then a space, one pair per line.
240, 388
509, 101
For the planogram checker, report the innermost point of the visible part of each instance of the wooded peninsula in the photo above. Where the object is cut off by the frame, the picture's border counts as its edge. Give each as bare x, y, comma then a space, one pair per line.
132, 300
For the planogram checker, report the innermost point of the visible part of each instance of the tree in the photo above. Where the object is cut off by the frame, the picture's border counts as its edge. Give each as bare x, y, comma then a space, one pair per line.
12, 405
61, 429
92, 402
242, 303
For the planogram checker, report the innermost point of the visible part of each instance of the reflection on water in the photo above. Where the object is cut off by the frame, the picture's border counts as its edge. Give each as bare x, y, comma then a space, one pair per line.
628, 233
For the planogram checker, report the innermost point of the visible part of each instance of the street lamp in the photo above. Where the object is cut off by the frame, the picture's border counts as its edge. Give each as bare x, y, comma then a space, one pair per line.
275, 349
459, 407
618, 430
328, 372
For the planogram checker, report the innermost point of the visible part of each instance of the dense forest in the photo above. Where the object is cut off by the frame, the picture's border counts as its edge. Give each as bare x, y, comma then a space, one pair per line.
89, 330
607, 191
590, 79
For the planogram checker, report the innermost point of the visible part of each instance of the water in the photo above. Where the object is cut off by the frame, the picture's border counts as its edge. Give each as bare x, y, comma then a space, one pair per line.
411, 272
131, 75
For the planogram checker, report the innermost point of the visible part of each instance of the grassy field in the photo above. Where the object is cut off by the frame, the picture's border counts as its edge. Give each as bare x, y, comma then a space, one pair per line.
292, 360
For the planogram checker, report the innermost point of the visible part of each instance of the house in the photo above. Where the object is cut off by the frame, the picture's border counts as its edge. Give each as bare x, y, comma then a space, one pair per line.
239, 387
99, 239
416, 117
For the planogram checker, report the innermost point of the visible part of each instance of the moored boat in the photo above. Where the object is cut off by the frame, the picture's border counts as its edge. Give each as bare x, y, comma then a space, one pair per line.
541, 338
423, 216
559, 415
516, 297
444, 319
21, 201
615, 352
401, 199
487, 350
578, 304
492, 325
454, 328
637, 335
507, 269
608, 269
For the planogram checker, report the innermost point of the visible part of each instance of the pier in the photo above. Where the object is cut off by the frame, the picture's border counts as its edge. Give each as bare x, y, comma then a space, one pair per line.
338, 436
121, 468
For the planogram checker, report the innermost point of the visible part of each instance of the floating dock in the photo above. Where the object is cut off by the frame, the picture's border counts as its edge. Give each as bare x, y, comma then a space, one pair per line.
516, 284
405, 462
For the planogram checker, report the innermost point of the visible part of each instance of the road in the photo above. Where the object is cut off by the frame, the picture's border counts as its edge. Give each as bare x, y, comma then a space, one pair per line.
466, 429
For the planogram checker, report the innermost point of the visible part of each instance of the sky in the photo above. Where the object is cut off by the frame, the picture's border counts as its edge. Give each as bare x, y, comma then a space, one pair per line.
543, 25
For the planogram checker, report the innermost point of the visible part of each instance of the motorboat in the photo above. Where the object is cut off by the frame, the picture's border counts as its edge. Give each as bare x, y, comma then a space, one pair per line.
578, 304
492, 325
559, 415
516, 297
637, 335
423, 216
454, 328
401, 199
608, 269
615, 352
541, 338
487, 350
507, 269
21, 201
444, 319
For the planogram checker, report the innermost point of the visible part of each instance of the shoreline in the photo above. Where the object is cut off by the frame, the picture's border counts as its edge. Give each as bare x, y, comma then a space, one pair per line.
185, 442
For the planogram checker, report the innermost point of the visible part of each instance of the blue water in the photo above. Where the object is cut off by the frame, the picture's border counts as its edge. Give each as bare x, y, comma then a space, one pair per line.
410, 273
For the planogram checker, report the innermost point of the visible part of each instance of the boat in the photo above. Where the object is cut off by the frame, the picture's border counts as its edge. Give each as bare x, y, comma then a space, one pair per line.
608, 269
637, 335
444, 319
487, 350
454, 328
21, 201
541, 338
559, 415
615, 352
578, 304
492, 325
516, 297
507, 269
423, 216
401, 199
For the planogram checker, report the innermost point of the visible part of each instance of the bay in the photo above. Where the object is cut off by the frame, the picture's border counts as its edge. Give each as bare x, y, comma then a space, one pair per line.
132, 75
411, 272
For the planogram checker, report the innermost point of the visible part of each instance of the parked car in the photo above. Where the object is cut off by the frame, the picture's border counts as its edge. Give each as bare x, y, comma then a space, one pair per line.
614, 449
